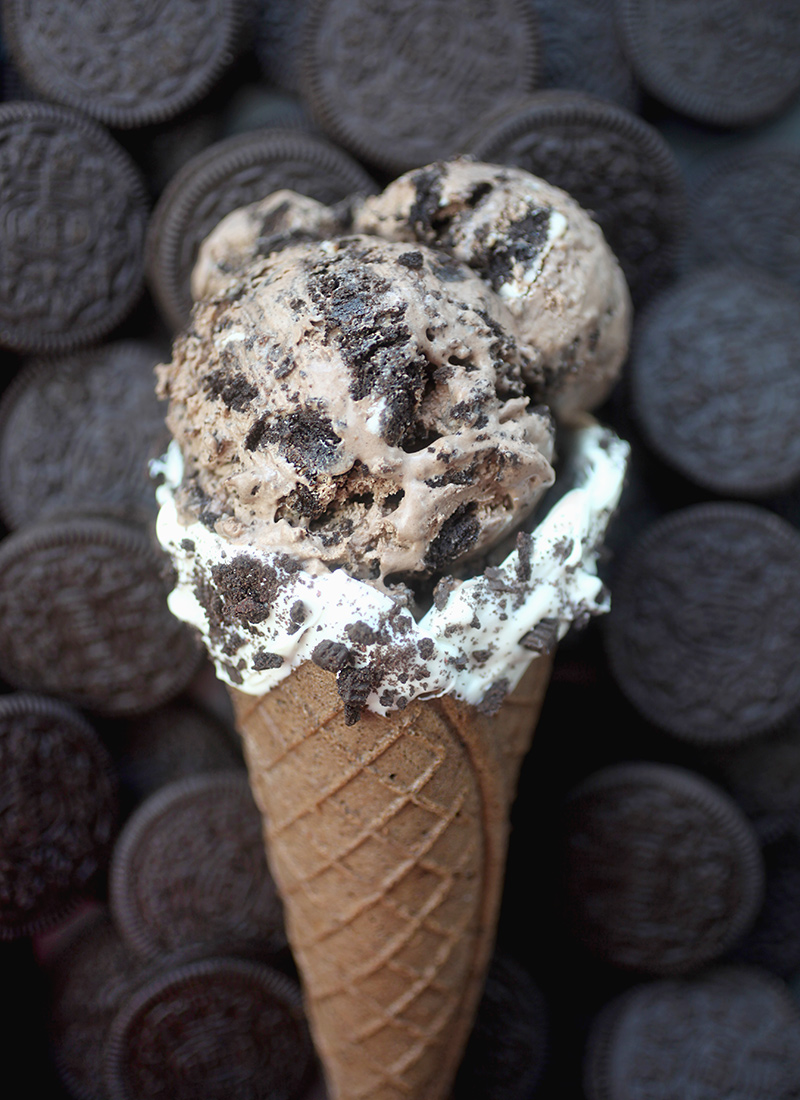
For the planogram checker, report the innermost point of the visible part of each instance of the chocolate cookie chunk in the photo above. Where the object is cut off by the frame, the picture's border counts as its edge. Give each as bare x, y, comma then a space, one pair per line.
91, 977
715, 383
230, 174
87, 426
733, 1031
59, 811
83, 604
731, 64
399, 85
189, 870
614, 164
705, 623
662, 872
747, 211
124, 63
220, 1028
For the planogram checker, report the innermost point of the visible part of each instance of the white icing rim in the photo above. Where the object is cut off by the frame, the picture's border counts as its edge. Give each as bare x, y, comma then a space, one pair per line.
470, 644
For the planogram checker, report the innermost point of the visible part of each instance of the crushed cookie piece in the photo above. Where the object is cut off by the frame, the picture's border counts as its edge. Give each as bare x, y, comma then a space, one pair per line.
330, 655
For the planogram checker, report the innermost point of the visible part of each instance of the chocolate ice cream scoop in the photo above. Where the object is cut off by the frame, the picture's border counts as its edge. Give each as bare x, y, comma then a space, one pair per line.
357, 404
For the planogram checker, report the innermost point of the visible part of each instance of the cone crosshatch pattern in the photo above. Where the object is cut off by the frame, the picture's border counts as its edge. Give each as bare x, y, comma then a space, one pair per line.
388, 839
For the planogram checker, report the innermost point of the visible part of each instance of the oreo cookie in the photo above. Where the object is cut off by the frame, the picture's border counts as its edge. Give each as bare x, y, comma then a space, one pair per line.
124, 64
189, 870
77, 433
614, 164
662, 871
91, 976
733, 64
59, 811
715, 384
733, 1031
230, 174
400, 85
73, 213
202, 1031
84, 611
746, 211
172, 742
705, 623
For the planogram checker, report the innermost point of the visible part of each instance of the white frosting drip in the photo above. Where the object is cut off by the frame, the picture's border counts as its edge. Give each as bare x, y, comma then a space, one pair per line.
468, 645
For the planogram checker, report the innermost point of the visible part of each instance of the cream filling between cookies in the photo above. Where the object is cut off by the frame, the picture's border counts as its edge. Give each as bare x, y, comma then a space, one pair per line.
468, 644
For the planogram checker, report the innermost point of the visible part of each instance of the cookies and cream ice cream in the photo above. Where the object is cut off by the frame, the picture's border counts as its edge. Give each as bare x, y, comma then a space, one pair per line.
354, 413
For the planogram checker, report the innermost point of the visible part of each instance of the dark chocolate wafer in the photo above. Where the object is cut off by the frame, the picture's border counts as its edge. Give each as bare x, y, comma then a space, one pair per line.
730, 1032
91, 976
399, 85
704, 628
224, 1028
230, 174
715, 380
614, 164
507, 1050
172, 742
731, 64
59, 810
123, 63
73, 213
581, 50
84, 612
77, 434
747, 210
189, 870
662, 871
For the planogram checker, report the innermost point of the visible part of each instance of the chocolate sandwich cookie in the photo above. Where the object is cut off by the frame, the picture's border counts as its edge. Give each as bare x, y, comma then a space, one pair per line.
662, 871
84, 612
399, 85
126, 64
203, 1031
733, 1031
77, 433
506, 1053
581, 50
705, 624
173, 742
614, 164
189, 870
714, 380
59, 811
230, 174
731, 64
91, 976
747, 211
73, 213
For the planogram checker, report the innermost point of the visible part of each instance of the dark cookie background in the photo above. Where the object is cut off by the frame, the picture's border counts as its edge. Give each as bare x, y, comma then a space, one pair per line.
59, 1015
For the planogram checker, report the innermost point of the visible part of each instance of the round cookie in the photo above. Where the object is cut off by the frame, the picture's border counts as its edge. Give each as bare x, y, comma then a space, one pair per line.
662, 871
226, 176
705, 623
612, 162
398, 85
59, 811
189, 870
125, 64
732, 64
223, 1027
87, 426
73, 213
85, 616
733, 1031
715, 384
747, 211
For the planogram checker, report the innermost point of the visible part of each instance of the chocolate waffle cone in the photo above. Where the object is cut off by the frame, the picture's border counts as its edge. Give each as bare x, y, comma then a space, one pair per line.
387, 839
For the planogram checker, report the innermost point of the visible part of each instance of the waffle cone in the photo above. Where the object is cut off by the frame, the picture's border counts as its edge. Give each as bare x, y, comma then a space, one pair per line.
388, 842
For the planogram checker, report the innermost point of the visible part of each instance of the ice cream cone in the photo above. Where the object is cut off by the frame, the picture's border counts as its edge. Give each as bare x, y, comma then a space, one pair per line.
388, 841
